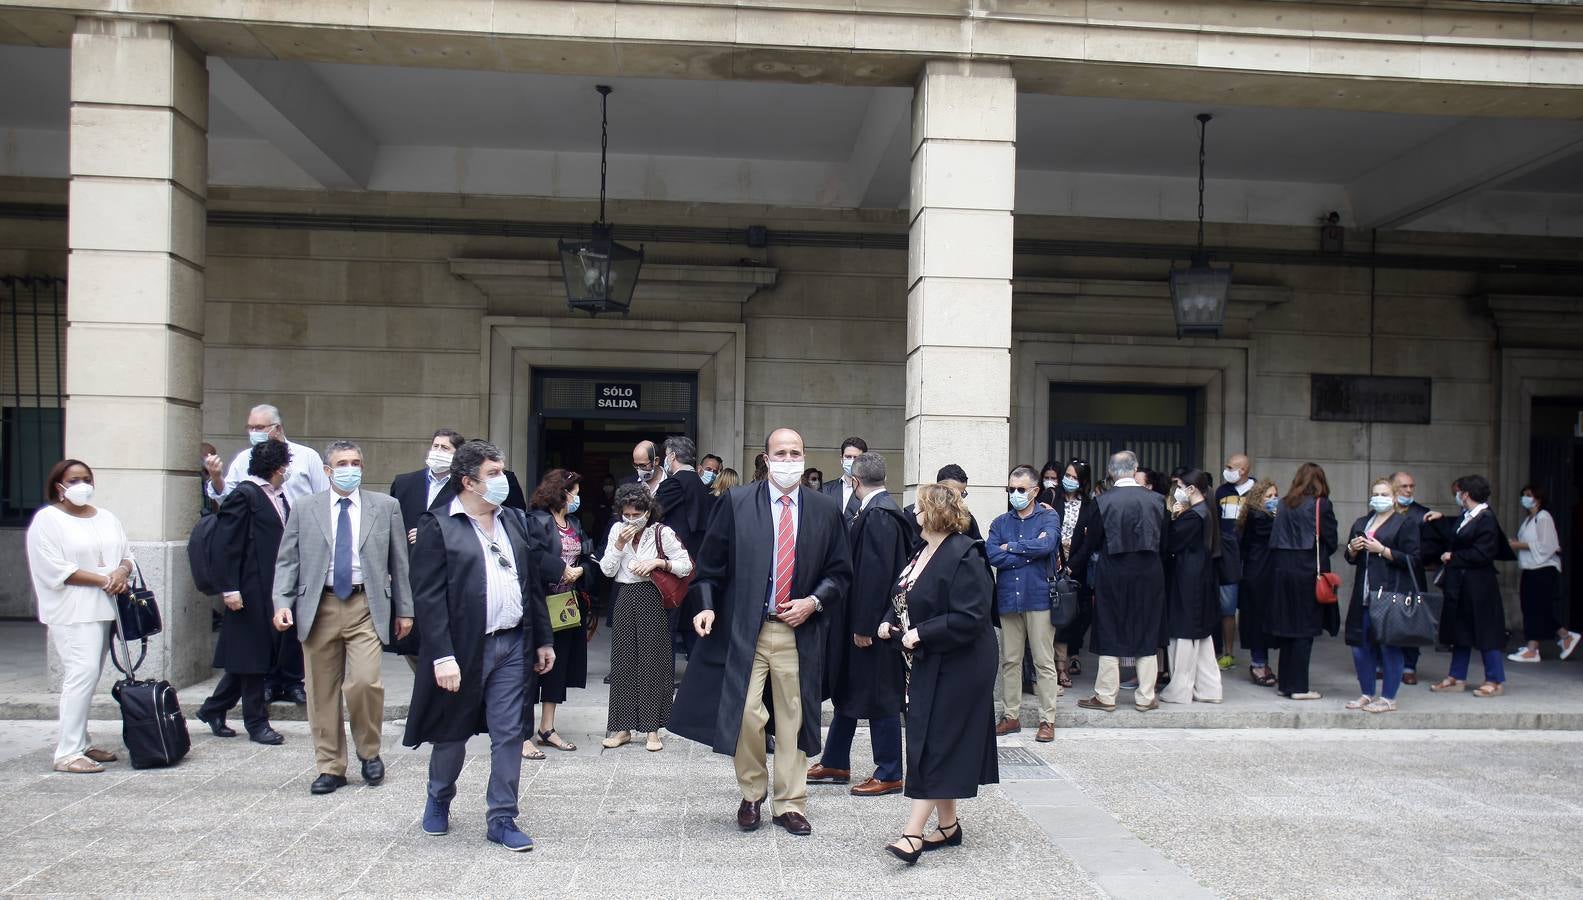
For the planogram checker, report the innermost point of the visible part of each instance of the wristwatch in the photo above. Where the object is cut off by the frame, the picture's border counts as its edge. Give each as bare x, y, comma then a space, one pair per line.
818, 607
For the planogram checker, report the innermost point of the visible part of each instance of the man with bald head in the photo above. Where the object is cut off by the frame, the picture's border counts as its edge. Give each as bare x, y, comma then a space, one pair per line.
772, 569
646, 463
1237, 480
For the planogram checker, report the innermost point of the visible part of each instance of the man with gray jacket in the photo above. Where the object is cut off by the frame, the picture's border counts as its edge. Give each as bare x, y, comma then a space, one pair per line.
342, 566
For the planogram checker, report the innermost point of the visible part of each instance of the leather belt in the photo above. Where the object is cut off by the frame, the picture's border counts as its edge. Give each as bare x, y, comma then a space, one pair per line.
503, 630
356, 589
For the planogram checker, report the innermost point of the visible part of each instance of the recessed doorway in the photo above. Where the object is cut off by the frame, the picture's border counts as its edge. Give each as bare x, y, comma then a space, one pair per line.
1092, 421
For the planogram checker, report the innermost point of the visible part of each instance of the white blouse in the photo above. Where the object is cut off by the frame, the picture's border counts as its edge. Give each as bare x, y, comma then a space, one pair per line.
617, 563
1538, 531
59, 544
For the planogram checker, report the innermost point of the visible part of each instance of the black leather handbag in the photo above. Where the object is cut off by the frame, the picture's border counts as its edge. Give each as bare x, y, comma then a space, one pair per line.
1405, 620
1064, 591
136, 612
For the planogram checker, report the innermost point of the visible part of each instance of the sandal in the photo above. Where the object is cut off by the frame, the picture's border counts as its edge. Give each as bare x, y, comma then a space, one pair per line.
1075, 667
1449, 685
1262, 676
1063, 679
1381, 705
531, 752
552, 739
1490, 689
616, 740
80, 765
1362, 701
100, 756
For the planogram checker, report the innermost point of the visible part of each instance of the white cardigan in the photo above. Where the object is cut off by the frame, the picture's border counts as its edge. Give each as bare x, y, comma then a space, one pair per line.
617, 564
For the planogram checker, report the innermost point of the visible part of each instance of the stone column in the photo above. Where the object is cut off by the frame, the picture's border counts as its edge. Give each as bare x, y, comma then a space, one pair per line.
134, 335
964, 130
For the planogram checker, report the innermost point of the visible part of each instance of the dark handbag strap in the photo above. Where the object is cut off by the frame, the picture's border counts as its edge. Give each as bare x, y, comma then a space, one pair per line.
1317, 569
128, 670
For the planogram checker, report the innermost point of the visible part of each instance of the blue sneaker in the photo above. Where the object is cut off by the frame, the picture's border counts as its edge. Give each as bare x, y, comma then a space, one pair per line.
436, 817
504, 832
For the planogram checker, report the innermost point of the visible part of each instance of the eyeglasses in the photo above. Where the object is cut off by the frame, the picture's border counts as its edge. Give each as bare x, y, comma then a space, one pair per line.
1012, 490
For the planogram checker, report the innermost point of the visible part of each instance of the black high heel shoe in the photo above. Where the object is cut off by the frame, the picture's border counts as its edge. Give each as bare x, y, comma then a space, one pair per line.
908, 857
950, 837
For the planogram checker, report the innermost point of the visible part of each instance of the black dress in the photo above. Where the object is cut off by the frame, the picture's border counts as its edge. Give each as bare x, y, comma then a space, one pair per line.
1192, 595
571, 644
1253, 593
951, 693
1400, 535
1474, 614
1293, 610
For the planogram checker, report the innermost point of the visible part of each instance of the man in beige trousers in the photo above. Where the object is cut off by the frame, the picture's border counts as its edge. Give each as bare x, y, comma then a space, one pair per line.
342, 566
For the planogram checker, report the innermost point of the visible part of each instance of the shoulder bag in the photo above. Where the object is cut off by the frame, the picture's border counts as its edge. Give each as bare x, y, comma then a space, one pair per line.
1405, 620
1327, 585
1063, 593
136, 612
673, 590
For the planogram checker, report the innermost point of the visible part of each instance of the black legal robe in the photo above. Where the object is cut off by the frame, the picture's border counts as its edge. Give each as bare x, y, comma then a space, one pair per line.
1192, 591
1129, 590
869, 682
248, 537
1253, 591
1294, 611
1474, 614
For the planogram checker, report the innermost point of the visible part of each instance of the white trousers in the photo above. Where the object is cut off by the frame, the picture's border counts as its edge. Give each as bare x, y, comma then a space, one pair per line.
82, 649
1195, 673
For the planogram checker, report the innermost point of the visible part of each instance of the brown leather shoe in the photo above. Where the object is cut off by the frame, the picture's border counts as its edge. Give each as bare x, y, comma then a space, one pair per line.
822, 775
1152, 704
1008, 725
1046, 732
1409, 678
749, 815
1096, 703
794, 823
875, 788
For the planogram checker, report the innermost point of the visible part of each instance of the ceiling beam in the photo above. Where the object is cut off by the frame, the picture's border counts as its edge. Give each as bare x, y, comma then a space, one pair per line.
1468, 158
876, 173
293, 109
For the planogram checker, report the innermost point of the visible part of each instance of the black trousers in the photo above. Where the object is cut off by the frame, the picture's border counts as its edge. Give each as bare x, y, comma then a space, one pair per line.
247, 688
1291, 675
288, 671
1538, 592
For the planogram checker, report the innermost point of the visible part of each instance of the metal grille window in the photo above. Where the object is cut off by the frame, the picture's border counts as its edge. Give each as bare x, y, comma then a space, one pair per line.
1094, 421
32, 381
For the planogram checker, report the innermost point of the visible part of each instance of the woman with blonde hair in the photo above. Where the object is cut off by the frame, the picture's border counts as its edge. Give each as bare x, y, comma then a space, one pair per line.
1383, 546
727, 480
1253, 592
940, 615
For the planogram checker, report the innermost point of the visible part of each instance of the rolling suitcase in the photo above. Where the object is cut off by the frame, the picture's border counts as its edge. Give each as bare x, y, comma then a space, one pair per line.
152, 725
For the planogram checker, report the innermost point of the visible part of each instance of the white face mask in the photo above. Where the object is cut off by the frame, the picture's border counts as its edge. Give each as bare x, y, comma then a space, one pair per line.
1181, 495
439, 461
1050, 484
1231, 476
78, 494
786, 473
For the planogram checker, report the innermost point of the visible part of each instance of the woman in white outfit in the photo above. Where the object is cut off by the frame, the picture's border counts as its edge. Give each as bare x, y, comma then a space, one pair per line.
79, 559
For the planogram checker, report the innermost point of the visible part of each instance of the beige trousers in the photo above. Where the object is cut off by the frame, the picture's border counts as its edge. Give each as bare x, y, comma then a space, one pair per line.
1108, 680
1195, 673
774, 661
1036, 630
342, 655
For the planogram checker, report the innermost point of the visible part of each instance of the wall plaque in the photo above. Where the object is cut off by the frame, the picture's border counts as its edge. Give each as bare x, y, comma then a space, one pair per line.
1370, 398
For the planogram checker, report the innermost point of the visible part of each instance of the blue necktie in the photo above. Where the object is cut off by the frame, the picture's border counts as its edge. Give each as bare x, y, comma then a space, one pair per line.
342, 579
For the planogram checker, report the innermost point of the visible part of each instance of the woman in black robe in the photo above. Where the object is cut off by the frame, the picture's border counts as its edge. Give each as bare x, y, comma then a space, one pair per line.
941, 619
1295, 616
1474, 616
1253, 592
1192, 592
1079, 513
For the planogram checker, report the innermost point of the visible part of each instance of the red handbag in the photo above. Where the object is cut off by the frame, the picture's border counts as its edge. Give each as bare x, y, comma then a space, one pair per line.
1327, 585
673, 590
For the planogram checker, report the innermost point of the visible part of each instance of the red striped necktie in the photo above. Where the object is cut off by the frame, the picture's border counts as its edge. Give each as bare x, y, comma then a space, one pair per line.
785, 556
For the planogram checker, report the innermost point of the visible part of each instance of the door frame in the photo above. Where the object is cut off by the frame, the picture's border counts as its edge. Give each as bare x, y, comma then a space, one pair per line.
1190, 435
689, 419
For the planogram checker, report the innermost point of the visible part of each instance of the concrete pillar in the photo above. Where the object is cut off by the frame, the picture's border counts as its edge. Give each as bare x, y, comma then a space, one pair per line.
964, 130
134, 335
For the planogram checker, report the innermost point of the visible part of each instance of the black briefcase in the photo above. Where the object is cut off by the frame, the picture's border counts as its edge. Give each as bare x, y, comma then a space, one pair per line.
152, 724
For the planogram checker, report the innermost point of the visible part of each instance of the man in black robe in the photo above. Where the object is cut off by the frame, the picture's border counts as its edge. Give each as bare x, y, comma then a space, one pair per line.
773, 567
1129, 587
867, 677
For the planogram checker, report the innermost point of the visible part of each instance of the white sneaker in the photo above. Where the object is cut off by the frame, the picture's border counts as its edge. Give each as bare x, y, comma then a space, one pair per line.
1569, 643
1525, 655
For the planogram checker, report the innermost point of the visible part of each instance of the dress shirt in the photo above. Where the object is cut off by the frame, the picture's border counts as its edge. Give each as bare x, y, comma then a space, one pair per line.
869, 499
1472, 514
356, 513
846, 494
305, 475
502, 590
616, 564
775, 522
1538, 531
435, 484
275, 495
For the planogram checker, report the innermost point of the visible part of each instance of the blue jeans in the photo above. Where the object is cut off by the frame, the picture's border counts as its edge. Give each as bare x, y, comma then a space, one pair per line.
1494, 664
884, 732
505, 671
1363, 657
1228, 600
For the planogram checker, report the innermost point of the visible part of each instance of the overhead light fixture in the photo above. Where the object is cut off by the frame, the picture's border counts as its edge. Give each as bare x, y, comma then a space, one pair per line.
1198, 292
600, 273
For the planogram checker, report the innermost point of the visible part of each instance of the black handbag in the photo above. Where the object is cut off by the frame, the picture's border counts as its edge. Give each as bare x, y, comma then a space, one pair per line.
1064, 590
1405, 620
136, 612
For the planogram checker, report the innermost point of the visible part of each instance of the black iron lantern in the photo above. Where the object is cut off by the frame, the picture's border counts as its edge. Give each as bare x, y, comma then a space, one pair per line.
1199, 292
600, 273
